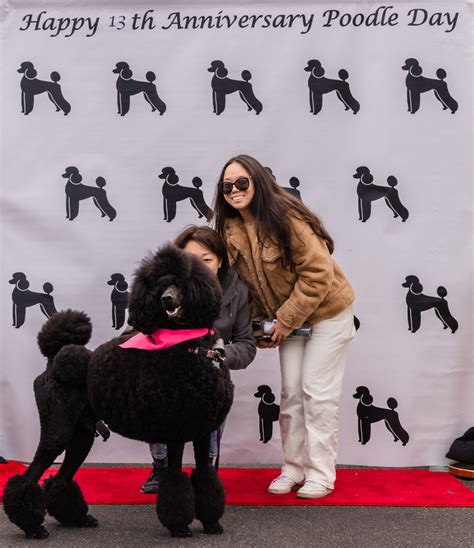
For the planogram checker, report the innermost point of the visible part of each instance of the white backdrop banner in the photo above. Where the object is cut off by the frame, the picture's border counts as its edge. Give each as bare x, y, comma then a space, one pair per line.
363, 110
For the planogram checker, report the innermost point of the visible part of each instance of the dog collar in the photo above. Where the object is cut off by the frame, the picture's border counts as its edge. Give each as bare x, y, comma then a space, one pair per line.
164, 338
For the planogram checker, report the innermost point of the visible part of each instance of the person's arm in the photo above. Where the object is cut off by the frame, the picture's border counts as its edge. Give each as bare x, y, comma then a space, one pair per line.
241, 351
315, 274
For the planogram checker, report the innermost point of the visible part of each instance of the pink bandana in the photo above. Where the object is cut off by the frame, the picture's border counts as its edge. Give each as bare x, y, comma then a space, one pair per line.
164, 338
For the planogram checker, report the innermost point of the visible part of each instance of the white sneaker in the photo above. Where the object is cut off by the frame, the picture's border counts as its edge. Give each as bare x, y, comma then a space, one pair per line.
281, 485
313, 490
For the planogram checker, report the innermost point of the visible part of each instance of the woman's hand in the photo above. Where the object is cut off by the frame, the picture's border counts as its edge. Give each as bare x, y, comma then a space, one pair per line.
264, 343
279, 333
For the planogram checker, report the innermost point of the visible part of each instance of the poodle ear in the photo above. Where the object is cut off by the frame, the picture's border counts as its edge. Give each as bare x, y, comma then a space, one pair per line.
75, 178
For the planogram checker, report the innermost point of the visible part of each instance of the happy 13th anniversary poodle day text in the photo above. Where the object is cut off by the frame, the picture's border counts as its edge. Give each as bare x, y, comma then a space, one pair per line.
382, 16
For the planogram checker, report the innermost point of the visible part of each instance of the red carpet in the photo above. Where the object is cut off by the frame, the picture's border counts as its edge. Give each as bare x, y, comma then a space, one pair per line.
247, 487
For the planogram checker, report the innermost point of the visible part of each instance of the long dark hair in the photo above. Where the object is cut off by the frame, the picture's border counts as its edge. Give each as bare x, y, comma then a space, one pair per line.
208, 238
270, 206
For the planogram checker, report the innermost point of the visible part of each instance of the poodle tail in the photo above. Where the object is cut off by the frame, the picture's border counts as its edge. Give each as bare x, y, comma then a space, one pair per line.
442, 292
55, 77
150, 76
246, 75
441, 74
343, 74
392, 403
63, 328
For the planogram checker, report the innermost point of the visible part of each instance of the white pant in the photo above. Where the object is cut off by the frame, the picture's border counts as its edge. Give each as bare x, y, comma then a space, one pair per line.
311, 381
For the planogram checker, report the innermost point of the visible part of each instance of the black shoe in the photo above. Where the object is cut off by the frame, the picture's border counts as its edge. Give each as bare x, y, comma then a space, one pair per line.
153, 481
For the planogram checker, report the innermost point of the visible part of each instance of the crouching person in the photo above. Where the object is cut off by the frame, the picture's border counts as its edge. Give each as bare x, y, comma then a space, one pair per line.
233, 325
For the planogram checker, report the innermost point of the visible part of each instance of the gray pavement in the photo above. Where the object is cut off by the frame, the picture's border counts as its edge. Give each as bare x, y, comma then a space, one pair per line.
294, 527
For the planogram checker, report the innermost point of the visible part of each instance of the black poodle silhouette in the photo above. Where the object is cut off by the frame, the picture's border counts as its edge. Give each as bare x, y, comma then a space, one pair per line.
417, 302
23, 298
368, 414
367, 193
174, 193
293, 188
268, 412
76, 191
126, 87
119, 298
418, 84
165, 382
31, 86
222, 86
319, 85
294, 184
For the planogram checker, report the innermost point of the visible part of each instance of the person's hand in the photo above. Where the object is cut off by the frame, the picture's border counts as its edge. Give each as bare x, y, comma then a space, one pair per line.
279, 333
264, 343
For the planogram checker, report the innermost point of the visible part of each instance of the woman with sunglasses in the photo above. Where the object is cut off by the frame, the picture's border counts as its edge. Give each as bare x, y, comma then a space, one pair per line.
283, 252
233, 326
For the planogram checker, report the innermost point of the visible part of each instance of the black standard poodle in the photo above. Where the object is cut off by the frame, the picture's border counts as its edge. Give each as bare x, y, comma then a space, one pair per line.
164, 382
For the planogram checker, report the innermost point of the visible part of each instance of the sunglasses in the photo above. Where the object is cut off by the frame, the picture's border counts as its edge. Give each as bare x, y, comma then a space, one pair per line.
242, 183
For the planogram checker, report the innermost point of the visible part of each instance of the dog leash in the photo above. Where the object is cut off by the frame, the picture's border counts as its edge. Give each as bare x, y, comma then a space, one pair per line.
217, 355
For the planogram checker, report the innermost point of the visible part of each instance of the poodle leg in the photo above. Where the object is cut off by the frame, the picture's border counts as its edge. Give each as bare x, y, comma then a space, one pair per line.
64, 499
268, 432
124, 102
261, 427
29, 102
394, 426
104, 206
365, 428
360, 207
366, 209
248, 97
175, 505
47, 306
61, 102
345, 96
73, 208
414, 101
393, 202
391, 430
415, 320
311, 101
317, 102
97, 205
24, 501
19, 315
171, 210
408, 99
219, 101
154, 100
443, 313
208, 489
443, 95
199, 204
51, 98
242, 96
120, 317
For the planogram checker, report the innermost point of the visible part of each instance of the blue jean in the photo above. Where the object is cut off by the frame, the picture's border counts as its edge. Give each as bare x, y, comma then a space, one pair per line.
159, 451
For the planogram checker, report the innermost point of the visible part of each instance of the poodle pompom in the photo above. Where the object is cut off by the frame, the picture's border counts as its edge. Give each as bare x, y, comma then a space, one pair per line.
65, 327
65, 503
24, 503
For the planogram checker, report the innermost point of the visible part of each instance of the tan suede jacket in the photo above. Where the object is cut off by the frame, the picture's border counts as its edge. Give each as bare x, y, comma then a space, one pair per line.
315, 290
